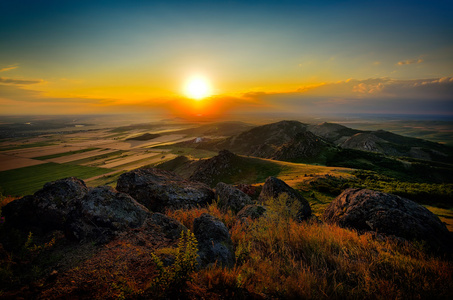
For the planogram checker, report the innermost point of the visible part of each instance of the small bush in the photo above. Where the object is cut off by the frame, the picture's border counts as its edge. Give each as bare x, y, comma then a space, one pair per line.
172, 280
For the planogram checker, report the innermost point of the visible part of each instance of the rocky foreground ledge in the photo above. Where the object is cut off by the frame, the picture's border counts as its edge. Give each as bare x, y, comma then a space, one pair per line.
102, 213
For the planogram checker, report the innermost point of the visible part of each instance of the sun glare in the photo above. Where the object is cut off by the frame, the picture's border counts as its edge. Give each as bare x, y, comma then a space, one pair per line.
197, 88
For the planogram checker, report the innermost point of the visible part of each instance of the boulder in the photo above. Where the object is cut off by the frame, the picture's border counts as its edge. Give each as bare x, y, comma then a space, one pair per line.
252, 211
214, 242
274, 187
229, 197
104, 212
159, 190
367, 210
48, 208
169, 227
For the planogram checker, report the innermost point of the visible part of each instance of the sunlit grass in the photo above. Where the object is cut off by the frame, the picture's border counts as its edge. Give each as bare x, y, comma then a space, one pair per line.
444, 214
285, 259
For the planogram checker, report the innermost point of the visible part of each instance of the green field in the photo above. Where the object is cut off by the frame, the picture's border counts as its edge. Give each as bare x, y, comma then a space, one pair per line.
107, 156
25, 181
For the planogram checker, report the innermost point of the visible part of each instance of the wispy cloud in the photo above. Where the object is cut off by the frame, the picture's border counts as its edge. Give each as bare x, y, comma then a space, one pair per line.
12, 67
18, 81
410, 62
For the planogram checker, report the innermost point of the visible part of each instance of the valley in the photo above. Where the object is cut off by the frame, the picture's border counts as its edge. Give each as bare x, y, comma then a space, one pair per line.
296, 152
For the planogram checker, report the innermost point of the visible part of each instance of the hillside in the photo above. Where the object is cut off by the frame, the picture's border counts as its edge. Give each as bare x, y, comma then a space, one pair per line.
381, 141
332, 132
390, 154
284, 140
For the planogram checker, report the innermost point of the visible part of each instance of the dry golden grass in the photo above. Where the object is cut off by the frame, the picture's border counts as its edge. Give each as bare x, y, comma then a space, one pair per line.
7, 199
281, 258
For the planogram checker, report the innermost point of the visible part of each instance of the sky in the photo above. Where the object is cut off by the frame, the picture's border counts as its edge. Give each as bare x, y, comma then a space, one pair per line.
308, 57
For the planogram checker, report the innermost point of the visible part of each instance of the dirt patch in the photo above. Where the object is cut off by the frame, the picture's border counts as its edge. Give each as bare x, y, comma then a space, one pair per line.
42, 151
9, 162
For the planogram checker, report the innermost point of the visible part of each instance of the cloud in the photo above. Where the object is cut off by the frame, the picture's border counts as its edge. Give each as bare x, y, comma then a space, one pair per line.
20, 95
18, 81
364, 88
374, 95
8, 68
410, 62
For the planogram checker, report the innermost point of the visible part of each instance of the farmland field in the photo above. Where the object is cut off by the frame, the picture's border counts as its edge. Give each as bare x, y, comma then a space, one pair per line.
27, 180
9, 162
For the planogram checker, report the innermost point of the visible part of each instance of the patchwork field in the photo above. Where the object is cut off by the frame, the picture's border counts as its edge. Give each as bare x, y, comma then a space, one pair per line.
96, 156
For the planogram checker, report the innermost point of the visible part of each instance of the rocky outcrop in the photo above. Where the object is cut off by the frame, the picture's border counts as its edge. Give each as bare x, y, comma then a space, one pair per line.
48, 208
252, 211
274, 187
159, 190
169, 227
229, 197
102, 213
214, 242
80, 212
211, 169
367, 210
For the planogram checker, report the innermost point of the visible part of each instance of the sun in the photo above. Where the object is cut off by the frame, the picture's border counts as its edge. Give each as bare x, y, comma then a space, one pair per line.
197, 88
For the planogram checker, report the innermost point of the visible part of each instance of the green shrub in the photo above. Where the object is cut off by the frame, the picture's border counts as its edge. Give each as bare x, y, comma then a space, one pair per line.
173, 279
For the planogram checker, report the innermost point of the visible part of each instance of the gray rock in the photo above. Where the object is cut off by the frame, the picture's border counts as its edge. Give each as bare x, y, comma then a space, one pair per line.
252, 211
230, 197
104, 212
159, 190
214, 242
367, 210
169, 227
48, 208
274, 187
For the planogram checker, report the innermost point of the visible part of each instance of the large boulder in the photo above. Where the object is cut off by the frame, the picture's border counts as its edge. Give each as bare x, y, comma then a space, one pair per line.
159, 190
230, 197
274, 187
80, 212
48, 208
104, 212
367, 210
214, 242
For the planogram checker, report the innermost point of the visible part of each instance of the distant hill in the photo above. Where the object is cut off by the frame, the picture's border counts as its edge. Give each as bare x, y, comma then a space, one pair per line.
284, 140
382, 141
218, 129
332, 132
337, 145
